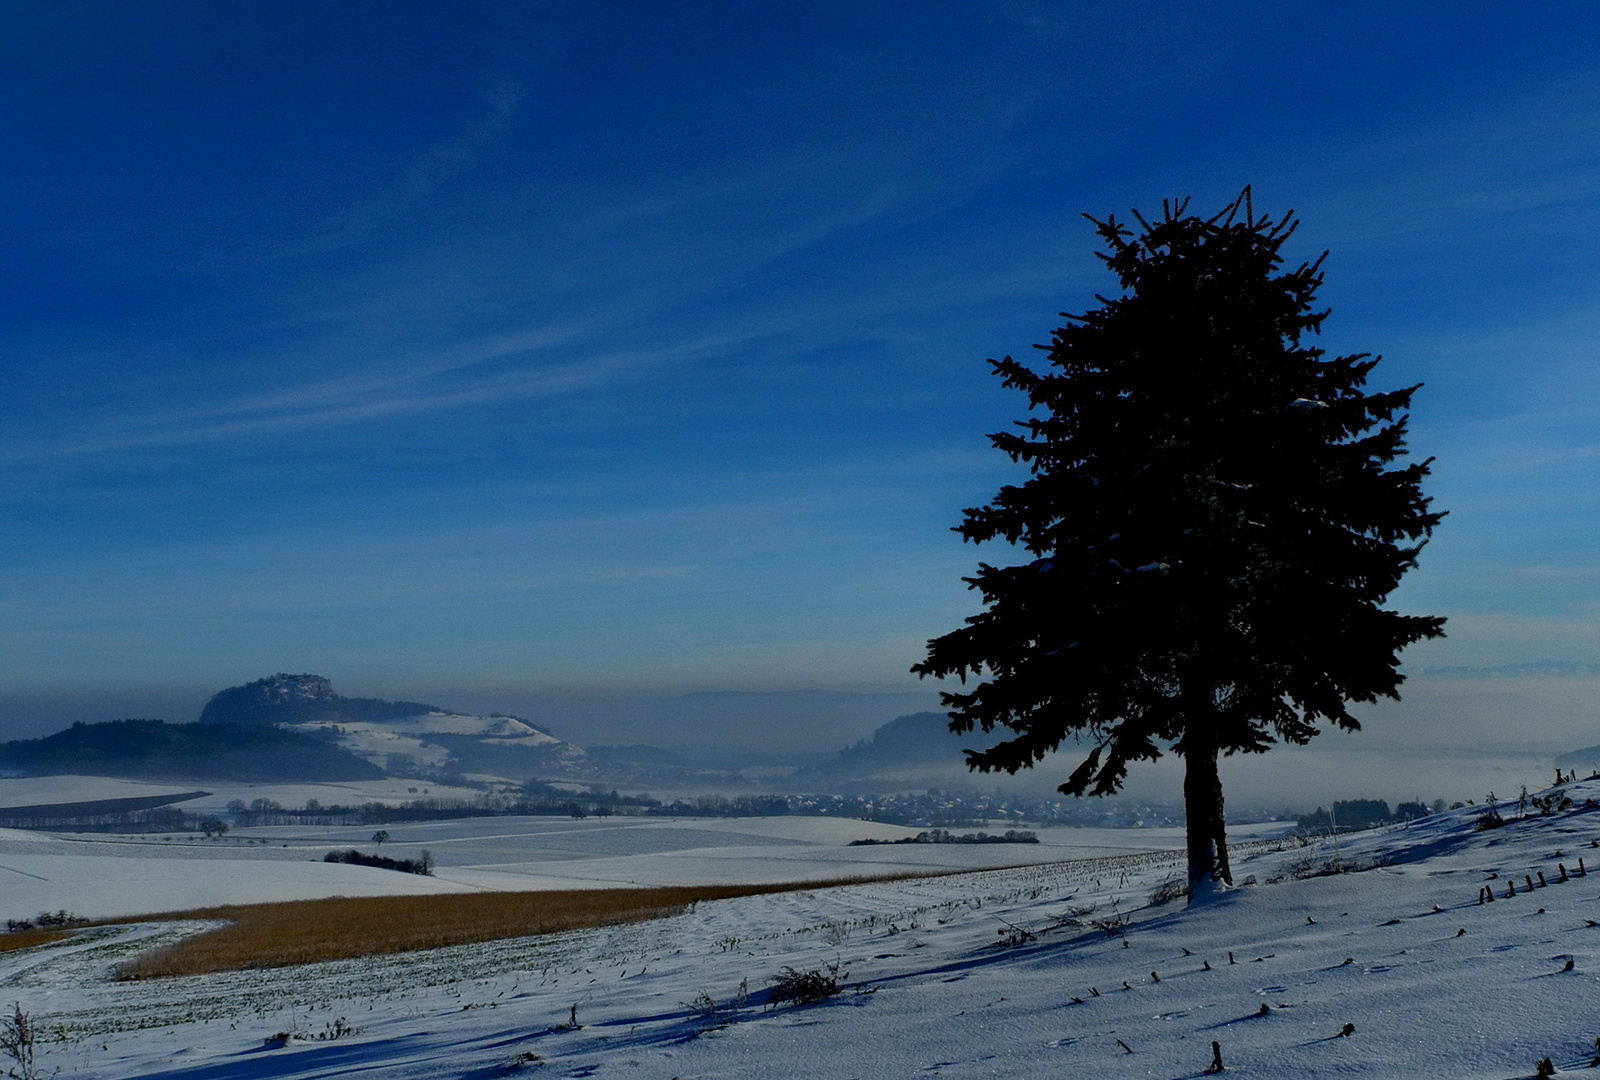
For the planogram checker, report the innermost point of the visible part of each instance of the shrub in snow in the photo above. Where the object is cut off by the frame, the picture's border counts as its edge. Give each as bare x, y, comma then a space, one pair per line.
836, 932
1311, 866
805, 987
1554, 803
1170, 890
18, 1033
1012, 937
1113, 925
338, 1028
1489, 819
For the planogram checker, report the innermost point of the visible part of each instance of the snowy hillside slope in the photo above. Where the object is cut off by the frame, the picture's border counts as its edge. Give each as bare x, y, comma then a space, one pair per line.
995, 974
398, 736
438, 739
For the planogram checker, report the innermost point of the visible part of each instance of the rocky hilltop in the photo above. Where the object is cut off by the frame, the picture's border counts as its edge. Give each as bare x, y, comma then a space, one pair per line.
401, 737
301, 699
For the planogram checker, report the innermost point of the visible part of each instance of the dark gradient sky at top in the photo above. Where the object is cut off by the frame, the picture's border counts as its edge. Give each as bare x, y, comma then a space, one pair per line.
617, 346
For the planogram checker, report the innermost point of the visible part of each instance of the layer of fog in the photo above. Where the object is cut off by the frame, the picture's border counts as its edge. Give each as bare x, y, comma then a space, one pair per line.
1452, 737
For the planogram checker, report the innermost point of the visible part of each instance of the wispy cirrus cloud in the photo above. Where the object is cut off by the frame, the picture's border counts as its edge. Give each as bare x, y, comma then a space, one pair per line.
455, 380
630, 317
439, 164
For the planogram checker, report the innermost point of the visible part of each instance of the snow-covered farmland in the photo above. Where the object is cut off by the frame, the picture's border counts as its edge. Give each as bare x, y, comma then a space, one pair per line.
390, 791
113, 876
1393, 971
46, 790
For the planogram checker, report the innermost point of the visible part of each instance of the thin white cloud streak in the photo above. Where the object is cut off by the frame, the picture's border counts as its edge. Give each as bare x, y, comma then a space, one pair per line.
367, 397
403, 388
1530, 158
444, 161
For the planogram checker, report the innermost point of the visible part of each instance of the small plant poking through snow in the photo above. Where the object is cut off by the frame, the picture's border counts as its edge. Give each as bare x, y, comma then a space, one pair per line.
18, 1033
703, 1006
1311, 866
1490, 818
1555, 802
337, 1029
836, 933
1012, 937
806, 987
1112, 925
1169, 890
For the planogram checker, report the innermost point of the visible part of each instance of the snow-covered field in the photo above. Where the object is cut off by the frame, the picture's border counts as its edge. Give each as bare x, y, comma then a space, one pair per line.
46, 790
391, 791
996, 973
114, 876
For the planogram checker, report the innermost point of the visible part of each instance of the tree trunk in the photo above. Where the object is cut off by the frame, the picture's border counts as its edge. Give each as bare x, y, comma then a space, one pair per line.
1202, 802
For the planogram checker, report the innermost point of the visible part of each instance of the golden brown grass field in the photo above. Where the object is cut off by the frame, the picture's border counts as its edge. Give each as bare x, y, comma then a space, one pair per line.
27, 939
308, 931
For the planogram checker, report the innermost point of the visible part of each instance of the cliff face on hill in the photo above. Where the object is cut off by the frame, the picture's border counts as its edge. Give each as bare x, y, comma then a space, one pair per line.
300, 699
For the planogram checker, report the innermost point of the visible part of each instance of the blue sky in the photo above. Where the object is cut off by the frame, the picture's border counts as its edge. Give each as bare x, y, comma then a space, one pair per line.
621, 347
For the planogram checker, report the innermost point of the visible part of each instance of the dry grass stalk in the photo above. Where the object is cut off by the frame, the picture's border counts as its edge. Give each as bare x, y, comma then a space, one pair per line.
310, 931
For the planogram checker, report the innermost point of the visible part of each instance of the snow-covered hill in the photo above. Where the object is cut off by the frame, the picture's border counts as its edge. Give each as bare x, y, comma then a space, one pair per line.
398, 736
437, 739
1393, 971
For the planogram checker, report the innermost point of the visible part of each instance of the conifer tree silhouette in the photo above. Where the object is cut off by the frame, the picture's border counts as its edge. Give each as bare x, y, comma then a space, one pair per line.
1213, 522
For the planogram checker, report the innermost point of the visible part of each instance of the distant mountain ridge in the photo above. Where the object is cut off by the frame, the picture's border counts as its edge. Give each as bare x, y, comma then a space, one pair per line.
1525, 669
922, 738
301, 699
1584, 760
915, 750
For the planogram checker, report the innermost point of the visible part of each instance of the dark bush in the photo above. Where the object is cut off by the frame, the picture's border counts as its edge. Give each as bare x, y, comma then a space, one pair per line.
423, 865
805, 987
